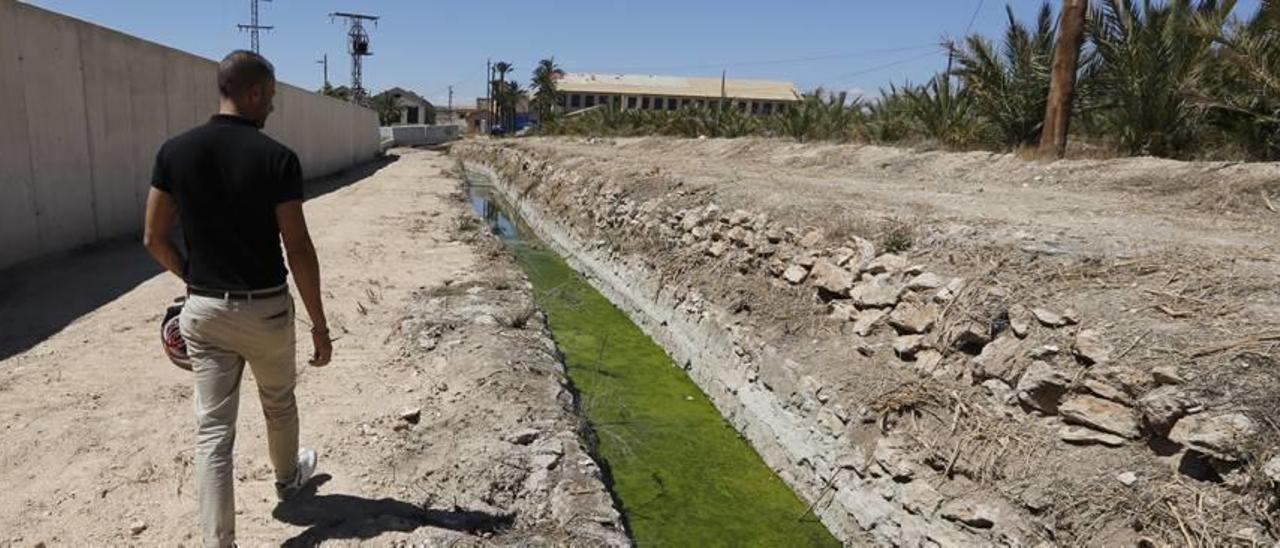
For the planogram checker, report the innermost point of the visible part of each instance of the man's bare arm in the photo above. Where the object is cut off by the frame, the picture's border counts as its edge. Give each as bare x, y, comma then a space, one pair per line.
162, 212
306, 274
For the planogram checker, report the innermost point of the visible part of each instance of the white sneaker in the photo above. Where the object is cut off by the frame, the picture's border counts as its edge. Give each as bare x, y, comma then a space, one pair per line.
306, 467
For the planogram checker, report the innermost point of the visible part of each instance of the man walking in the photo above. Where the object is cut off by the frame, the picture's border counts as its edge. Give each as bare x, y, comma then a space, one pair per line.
238, 194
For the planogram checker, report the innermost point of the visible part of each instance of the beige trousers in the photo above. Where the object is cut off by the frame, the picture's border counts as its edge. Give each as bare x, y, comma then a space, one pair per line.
221, 335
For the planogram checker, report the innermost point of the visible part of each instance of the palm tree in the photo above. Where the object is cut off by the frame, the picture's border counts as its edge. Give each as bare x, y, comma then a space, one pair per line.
386, 107
1244, 94
499, 86
1010, 86
1148, 62
545, 95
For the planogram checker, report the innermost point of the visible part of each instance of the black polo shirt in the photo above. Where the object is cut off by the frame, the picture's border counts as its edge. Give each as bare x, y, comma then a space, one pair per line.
227, 178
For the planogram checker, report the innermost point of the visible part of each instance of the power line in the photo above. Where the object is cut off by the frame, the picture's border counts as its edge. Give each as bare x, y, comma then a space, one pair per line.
973, 18
869, 70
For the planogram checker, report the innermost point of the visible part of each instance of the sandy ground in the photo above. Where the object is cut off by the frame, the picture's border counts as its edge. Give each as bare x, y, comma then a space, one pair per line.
97, 425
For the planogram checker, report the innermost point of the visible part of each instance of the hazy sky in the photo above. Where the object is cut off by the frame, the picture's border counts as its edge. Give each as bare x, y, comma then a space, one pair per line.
427, 46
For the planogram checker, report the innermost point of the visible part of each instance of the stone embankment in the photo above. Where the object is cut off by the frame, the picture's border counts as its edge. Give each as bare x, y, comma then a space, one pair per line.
916, 398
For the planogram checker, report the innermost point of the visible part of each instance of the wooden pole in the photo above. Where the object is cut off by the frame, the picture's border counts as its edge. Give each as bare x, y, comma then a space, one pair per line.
1066, 55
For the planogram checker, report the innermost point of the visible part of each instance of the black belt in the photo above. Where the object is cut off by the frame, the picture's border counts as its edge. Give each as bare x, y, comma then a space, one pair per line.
238, 295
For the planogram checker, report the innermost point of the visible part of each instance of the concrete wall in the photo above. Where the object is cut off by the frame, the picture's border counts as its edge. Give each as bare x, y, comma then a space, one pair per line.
83, 110
406, 136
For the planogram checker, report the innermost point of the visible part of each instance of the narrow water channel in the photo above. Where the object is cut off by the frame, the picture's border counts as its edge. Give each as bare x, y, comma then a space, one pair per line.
683, 475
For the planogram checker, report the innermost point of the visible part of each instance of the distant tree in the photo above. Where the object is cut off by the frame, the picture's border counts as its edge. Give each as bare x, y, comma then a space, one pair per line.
387, 108
545, 94
340, 92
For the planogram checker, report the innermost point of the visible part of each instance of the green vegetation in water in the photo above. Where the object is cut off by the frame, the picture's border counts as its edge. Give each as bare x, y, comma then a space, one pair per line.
684, 475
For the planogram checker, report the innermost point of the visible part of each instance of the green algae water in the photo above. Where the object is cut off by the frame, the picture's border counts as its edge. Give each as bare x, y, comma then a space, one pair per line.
682, 474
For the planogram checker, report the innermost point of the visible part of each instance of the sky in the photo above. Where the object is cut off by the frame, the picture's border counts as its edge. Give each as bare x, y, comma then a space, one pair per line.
858, 46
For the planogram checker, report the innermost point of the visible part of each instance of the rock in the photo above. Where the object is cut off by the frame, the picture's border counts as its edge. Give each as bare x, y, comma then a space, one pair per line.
523, 437
843, 311
1092, 347
737, 235
773, 235
1221, 436
865, 321
1162, 407
717, 248
1127, 478
1106, 391
411, 415
739, 217
1042, 387
841, 255
999, 360
1099, 414
1071, 316
914, 318
830, 423
999, 391
806, 260
893, 454
811, 239
925, 282
907, 346
137, 527
1049, 318
1079, 435
1019, 320
866, 252
1272, 470
978, 515
972, 334
878, 292
1042, 351
1167, 374
887, 263
795, 274
928, 359
831, 278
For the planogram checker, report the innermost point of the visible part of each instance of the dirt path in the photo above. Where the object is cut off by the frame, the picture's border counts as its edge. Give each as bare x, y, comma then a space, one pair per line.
97, 425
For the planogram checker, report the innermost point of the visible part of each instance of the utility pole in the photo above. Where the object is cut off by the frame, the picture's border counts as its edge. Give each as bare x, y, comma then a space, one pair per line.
450, 100
358, 47
488, 93
253, 27
324, 61
1066, 55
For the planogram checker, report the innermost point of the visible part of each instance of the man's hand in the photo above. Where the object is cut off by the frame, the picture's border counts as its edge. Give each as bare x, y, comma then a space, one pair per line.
323, 347
306, 274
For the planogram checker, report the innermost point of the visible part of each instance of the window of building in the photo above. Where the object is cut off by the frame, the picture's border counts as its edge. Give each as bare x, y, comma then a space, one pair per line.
631, 102
575, 101
644, 103
657, 103
616, 100
411, 115
591, 101
767, 108
673, 103
684, 103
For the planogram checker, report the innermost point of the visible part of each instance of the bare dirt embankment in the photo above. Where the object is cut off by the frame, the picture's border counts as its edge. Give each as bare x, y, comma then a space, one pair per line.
951, 348
445, 418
